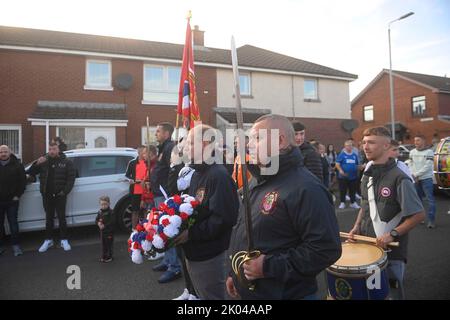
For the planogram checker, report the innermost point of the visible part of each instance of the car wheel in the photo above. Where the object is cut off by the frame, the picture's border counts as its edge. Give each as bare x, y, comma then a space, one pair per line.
124, 215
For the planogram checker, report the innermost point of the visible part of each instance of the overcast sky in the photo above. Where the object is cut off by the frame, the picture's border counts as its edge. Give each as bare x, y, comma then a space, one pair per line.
348, 35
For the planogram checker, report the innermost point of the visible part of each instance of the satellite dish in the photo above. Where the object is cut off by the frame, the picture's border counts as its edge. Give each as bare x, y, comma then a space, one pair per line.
124, 81
349, 125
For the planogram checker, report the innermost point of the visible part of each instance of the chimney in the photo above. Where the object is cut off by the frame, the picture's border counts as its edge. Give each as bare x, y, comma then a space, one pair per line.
199, 37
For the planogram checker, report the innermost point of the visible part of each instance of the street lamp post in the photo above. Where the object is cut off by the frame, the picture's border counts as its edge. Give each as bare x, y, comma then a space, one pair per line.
391, 85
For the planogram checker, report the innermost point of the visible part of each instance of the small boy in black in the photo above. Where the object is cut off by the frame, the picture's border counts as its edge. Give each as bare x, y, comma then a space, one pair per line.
105, 221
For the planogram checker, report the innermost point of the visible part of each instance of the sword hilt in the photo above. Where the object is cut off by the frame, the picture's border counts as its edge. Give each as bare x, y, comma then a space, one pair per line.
237, 263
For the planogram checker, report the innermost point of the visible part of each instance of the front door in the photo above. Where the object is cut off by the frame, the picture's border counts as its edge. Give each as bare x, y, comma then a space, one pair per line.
100, 137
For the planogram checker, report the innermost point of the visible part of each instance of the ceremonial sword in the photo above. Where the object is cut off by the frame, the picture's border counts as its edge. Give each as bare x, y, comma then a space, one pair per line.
242, 257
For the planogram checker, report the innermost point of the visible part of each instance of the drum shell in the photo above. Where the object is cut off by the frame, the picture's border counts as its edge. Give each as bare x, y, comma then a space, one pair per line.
442, 164
350, 283
351, 287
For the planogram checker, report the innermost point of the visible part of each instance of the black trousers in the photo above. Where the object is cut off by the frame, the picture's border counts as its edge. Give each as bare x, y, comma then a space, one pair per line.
349, 185
107, 245
54, 204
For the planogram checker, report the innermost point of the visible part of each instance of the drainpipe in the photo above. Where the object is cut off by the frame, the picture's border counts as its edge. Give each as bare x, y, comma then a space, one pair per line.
292, 97
47, 135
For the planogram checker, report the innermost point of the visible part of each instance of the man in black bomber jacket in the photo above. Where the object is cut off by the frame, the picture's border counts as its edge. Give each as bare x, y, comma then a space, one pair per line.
56, 177
294, 223
206, 242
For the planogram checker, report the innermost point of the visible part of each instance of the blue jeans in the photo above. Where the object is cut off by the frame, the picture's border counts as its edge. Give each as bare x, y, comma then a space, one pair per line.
425, 188
170, 256
396, 271
11, 208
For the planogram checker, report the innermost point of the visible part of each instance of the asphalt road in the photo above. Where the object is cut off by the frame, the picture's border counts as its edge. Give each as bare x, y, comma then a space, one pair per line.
43, 276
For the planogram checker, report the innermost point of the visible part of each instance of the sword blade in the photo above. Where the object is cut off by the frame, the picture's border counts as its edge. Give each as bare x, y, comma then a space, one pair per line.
241, 151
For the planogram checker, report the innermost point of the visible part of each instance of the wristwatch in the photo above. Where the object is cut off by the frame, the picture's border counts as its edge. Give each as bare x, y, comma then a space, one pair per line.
394, 234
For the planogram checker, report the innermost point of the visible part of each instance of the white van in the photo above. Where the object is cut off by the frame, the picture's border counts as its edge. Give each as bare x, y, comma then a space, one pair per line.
98, 172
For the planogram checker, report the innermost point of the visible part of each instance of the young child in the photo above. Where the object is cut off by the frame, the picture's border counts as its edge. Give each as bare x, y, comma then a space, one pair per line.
105, 221
147, 201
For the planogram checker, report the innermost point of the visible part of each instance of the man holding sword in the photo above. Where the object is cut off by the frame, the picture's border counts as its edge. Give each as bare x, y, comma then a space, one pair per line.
293, 221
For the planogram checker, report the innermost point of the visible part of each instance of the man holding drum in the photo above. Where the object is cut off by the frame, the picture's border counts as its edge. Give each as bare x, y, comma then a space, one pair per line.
390, 206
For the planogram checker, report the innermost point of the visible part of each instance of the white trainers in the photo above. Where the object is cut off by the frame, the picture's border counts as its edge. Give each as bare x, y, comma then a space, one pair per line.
357, 196
192, 297
347, 198
65, 244
342, 205
354, 205
47, 244
184, 296
157, 256
17, 250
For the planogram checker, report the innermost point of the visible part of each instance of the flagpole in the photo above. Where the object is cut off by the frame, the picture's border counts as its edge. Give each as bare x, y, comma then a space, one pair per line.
177, 121
176, 127
188, 124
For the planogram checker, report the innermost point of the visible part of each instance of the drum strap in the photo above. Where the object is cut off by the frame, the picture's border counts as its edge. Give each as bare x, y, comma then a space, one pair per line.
379, 226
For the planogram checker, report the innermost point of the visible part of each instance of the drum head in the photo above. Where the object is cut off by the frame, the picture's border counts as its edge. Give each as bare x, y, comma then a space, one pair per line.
358, 254
357, 257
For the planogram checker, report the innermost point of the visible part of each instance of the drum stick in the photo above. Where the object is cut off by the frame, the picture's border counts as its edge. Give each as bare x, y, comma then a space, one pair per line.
365, 239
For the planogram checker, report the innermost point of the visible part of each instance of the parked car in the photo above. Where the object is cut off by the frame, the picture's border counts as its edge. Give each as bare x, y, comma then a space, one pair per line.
98, 172
404, 150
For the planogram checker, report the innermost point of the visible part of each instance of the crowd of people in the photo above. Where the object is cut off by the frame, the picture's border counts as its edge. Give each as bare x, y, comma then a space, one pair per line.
293, 213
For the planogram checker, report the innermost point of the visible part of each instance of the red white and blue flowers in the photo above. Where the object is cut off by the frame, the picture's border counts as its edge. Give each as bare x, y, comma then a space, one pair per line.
161, 226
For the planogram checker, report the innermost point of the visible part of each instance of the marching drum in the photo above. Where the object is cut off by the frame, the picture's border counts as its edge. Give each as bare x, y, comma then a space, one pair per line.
353, 276
442, 164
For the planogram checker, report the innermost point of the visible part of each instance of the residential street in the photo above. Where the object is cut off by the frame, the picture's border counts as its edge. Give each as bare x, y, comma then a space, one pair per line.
43, 276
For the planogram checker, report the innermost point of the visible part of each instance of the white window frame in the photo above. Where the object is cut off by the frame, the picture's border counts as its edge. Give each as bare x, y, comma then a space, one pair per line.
165, 84
17, 127
249, 75
87, 86
364, 113
423, 114
316, 98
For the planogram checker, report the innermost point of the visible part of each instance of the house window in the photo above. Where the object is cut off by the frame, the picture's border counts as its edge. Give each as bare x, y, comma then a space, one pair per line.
310, 89
418, 106
12, 137
74, 137
98, 75
245, 84
161, 84
182, 132
368, 113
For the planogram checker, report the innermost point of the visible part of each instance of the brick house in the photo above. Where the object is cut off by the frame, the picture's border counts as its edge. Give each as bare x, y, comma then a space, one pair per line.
96, 91
421, 102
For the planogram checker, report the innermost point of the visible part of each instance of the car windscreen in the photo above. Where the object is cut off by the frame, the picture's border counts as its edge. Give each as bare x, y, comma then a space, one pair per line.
100, 165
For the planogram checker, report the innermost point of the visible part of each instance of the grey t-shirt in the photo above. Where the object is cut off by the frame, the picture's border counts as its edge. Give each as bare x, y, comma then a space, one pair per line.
410, 203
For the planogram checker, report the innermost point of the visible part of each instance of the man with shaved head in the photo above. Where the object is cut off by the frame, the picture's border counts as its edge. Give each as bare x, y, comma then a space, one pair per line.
12, 186
294, 223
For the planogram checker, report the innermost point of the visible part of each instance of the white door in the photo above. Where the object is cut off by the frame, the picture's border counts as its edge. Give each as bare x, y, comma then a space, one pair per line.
100, 137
